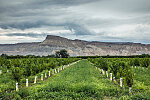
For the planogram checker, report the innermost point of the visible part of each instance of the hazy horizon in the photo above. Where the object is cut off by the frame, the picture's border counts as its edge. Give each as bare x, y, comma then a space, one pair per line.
91, 20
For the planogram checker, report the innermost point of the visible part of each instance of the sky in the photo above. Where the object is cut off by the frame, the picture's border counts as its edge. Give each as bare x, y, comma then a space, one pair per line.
90, 20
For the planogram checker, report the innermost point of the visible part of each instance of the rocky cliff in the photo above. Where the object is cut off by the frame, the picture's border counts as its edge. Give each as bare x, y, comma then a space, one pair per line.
74, 47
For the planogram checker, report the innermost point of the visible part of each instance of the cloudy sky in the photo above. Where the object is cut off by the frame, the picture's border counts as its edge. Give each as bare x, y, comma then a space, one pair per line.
92, 20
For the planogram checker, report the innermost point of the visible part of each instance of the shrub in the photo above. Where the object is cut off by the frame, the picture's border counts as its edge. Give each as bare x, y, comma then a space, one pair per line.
17, 73
145, 62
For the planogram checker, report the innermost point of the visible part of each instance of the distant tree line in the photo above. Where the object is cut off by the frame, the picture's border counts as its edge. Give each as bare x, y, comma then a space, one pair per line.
108, 56
59, 54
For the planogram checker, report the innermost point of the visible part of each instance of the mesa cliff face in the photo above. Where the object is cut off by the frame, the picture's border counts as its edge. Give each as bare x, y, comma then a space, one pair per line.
74, 47
62, 42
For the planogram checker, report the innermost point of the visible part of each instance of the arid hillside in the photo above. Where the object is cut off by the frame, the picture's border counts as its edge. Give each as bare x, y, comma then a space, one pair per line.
74, 47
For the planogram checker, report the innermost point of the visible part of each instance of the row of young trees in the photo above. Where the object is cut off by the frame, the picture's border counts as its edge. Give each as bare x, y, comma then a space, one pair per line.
139, 62
121, 67
31, 66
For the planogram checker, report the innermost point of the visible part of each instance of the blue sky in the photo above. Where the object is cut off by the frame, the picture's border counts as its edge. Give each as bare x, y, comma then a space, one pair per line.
91, 20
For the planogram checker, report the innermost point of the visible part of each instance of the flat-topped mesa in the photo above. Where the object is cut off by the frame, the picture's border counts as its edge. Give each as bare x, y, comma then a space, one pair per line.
52, 40
53, 37
58, 41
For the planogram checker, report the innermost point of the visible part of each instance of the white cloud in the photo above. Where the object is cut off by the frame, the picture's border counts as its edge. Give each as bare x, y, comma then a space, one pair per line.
18, 39
101, 20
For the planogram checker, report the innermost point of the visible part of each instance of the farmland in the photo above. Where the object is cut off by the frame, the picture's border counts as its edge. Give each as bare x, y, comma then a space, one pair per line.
85, 79
14, 71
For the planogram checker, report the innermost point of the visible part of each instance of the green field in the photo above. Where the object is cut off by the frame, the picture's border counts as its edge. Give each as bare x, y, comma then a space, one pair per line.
141, 86
80, 81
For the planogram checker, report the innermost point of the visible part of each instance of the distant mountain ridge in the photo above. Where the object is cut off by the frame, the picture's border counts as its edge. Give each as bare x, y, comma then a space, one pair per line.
75, 47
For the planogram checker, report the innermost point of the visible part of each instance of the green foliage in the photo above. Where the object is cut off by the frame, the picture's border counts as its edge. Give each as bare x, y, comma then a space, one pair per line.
119, 68
7, 83
140, 96
4, 56
128, 78
100, 62
62, 54
145, 62
141, 84
114, 68
17, 73
20, 69
76, 83
81, 81
136, 62
103, 64
23, 92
